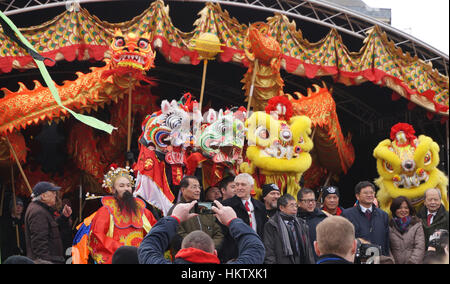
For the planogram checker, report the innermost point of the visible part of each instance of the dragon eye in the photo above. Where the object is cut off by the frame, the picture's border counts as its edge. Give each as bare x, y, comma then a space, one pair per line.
427, 158
262, 133
143, 43
388, 167
119, 42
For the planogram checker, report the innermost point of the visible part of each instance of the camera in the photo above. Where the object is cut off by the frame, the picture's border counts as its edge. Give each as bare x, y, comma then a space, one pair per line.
204, 208
438, 240
366, 253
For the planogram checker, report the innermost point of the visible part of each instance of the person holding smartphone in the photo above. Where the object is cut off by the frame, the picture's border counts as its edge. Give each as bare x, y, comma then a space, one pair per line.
204, 221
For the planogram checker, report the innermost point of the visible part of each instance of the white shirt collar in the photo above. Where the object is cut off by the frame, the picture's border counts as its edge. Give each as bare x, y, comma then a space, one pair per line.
364, 209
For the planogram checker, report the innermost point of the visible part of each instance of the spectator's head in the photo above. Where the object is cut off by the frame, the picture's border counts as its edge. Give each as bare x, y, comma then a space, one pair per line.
336, 235
227, 187
244, 185
270, 195
190, 188
199, 240
125, 255
306, 199
402, 207
365, 193
330, 197
287, 204
18, 208
432, 257
212, 193
18, 259
433, 199
45, 192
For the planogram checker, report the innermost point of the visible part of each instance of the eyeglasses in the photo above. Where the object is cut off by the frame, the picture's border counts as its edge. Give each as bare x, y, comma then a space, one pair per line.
368, 193
308, 200
292, 205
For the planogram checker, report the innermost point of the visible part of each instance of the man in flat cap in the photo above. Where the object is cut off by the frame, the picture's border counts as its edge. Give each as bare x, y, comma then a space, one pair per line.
42, 229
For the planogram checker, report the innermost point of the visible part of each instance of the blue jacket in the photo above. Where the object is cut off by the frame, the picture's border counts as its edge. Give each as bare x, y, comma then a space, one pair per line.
376, 231
152, 248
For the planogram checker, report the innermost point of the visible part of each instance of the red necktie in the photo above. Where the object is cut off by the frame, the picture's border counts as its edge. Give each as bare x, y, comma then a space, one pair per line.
247, 207
429, 219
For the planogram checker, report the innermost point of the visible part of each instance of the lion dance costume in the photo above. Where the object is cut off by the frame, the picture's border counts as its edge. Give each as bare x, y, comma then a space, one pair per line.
407, 166
278, 146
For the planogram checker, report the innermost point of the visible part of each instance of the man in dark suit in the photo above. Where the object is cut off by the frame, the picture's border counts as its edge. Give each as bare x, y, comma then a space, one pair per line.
370, 222
250, 210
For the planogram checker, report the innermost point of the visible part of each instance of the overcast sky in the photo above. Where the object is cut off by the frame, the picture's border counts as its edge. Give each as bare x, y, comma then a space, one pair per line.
426, 20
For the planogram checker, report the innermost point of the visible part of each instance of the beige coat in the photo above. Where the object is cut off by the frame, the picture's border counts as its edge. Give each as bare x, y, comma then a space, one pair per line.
407, 248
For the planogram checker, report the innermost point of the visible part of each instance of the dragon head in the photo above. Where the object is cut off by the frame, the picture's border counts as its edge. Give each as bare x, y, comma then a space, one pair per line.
277, 145
132, 51
223, 135
259, 44
407, 165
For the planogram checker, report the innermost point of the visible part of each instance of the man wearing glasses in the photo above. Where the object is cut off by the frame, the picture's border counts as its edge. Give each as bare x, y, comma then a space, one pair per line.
286, 237
308, 211
370, 222
190, 190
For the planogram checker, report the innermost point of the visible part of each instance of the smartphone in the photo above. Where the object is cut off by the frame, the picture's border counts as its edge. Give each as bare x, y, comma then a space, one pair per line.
203, 208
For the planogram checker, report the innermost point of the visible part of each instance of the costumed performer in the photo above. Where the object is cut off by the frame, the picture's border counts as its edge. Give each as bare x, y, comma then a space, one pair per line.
122, 220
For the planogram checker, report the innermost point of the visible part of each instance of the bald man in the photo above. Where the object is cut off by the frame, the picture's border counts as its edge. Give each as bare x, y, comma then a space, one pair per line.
433, 214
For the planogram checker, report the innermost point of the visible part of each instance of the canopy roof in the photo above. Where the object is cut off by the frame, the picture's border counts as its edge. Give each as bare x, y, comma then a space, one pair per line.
82, 36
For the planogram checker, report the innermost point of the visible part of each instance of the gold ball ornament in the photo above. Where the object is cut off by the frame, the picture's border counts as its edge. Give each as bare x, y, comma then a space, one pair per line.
207, 45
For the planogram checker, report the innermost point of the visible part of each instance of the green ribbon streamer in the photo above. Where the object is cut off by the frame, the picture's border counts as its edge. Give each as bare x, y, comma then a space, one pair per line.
89, 120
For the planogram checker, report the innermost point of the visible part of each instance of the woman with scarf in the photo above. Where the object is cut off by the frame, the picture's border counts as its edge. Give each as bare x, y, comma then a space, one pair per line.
286, 237
406, 234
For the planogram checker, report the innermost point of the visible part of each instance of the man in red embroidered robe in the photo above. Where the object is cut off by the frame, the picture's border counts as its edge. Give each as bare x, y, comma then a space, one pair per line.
123, 219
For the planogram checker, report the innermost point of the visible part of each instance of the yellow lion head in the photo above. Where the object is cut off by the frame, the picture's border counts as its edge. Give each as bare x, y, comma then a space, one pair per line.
408, 167
278, 146
279, 149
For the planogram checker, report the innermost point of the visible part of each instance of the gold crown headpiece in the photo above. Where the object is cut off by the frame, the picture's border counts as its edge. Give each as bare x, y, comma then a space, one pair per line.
114, 173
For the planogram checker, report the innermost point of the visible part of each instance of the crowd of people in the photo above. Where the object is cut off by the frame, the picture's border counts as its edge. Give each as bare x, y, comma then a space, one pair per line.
226, 224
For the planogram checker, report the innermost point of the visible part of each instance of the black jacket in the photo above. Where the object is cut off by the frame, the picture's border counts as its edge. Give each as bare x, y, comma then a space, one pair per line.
273, 242
440, 221
376, 231
332, 259
8, 237
151, 250
229, 248
312, 220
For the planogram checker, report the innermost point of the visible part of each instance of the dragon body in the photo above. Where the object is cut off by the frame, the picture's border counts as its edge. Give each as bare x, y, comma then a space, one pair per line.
131, 57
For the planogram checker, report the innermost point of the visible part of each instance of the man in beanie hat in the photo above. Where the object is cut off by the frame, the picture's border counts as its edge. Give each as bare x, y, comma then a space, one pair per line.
42, 229
270, 195
330, 200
